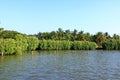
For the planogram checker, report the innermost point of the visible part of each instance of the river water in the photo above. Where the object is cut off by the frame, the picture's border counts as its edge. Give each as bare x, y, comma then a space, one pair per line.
61, 65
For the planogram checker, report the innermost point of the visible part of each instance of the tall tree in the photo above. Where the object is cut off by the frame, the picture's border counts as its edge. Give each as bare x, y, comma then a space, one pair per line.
115, 36
74, 34
60, 34
107, 35
53, 35
67, 35
88, 37
81, 36
100, 38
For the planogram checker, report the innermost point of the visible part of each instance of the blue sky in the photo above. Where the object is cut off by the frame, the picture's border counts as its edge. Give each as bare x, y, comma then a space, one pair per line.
33, 16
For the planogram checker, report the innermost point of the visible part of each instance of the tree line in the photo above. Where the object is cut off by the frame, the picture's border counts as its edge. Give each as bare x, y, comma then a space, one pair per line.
76, 35
12, 42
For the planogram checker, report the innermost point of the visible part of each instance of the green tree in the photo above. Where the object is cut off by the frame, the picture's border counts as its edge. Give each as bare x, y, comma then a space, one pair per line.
60, 34
54, 35
115, 36
8, 34
7, 46
100, 38
67, 35
81, 36
74, 35
88, 37
107, 35
21, 42
32, 43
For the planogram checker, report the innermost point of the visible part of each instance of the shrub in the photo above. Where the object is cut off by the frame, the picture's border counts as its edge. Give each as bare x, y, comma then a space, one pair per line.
8, 46
83, 45
66, 45
111, 44
32, 43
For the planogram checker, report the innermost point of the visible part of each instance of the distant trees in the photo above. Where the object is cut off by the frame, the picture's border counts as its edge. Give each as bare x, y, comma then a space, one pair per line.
99, 38
111, 44
32, 43
54, 45
115, 36
8, 34
12, 42
8, 46
65, 35
66, 45
83, 45
76, 35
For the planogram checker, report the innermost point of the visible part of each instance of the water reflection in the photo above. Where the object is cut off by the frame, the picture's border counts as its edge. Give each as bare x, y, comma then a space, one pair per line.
61, 65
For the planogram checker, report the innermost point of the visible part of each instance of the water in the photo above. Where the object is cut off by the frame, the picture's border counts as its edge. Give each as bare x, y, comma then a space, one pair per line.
61, 65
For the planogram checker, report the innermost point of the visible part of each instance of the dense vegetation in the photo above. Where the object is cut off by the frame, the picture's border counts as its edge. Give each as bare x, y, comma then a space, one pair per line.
111, 44
12, 42
54, 45
75, 36
83, 45
66, 45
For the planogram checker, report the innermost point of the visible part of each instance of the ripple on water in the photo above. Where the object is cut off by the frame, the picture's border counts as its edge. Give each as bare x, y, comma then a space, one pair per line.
66, 65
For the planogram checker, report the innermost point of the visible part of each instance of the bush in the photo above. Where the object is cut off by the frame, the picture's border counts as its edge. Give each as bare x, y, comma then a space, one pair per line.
66, 45
22, 41
32, 43
111, 44
83, 45
7, 46
54, 45
18, 45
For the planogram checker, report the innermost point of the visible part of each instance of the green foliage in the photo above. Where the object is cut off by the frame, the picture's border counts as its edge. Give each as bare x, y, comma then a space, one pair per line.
83, 45
22, 41
12, 42
7, 46
2, 47
42, 44
66, 45
54, 45
5, 34
99, 38
32, 43
111, 44
65, 35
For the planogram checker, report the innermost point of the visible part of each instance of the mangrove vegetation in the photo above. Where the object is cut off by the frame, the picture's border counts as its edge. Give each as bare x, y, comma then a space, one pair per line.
66, 45
13, 42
